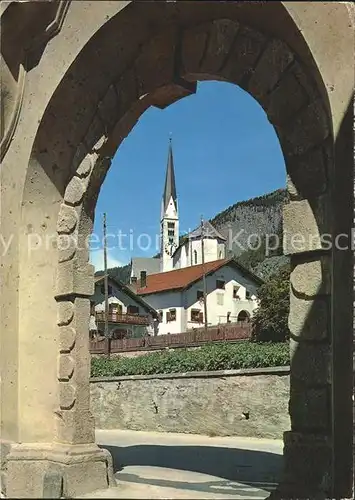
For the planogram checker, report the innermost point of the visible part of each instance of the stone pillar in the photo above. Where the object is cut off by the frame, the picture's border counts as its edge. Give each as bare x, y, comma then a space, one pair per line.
308, 445
69, 463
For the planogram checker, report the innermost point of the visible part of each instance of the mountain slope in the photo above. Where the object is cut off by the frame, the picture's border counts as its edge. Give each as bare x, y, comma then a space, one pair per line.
257, 216
245, 226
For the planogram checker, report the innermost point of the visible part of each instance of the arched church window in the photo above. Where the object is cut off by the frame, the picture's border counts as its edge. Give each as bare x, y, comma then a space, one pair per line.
171, 229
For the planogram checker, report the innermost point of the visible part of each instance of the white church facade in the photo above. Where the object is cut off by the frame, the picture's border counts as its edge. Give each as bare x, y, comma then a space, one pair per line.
177, 291
189, 252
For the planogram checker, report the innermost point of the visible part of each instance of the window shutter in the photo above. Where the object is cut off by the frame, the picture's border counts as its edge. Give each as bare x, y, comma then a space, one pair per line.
200, 317
168, 316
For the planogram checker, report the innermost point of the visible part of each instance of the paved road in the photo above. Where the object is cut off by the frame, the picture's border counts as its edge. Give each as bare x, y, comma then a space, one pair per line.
164, 465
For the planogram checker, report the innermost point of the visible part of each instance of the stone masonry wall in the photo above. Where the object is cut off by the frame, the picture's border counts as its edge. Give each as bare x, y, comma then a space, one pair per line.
234, 402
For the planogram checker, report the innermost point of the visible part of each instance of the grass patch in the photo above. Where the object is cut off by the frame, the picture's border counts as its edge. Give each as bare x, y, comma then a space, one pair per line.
211, 357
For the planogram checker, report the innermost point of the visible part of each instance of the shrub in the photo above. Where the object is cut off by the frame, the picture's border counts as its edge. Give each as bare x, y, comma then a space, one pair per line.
211, 357
270, 322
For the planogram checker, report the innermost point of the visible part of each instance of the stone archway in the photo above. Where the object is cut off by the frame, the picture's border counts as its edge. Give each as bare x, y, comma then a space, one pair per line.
84, 115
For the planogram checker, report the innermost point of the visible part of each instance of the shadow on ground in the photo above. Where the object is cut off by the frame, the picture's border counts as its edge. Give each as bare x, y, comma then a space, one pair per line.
258, 469
220, 487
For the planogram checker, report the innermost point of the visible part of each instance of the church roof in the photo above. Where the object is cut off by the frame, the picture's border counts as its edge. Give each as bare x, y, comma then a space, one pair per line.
209, 231
170, 187
183, 278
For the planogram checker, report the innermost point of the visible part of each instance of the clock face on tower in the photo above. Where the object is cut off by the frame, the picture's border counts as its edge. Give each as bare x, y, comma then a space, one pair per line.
170, 248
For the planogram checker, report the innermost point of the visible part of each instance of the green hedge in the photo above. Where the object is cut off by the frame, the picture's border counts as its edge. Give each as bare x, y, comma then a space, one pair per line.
217, 356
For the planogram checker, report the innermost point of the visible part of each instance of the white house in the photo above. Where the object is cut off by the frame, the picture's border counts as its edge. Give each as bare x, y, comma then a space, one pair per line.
177, 295
129, 315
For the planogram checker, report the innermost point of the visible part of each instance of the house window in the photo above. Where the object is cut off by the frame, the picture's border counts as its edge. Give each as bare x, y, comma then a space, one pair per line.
220, 299
171, 315
199, 295
196, 316
220, 284
235, 292
247, 295
119, 333
115, 308
132, 310
160, 316
195, 256
134, 279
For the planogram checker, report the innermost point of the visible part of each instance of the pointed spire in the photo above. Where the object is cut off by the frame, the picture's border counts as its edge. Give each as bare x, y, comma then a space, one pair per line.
170, 188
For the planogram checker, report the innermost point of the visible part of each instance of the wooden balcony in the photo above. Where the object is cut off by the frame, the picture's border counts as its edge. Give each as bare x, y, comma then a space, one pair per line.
122, 318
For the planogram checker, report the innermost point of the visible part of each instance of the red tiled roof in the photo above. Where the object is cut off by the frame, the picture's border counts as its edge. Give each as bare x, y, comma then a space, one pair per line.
180, 278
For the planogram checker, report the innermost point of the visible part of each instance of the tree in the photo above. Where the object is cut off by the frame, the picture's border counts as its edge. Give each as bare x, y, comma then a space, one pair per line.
270, 322
121, 273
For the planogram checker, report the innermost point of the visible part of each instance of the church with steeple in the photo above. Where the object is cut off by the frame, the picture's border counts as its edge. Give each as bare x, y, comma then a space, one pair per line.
175, 252
173, 283
169, 219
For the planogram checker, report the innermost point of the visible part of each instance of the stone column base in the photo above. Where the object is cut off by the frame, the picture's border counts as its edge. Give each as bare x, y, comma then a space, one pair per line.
307, 467
5, 447
41, 470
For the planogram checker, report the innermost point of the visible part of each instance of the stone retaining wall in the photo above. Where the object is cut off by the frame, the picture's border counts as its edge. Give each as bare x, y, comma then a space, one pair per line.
234, 402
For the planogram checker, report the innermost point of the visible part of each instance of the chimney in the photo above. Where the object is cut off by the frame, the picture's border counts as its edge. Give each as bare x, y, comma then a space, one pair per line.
143, 279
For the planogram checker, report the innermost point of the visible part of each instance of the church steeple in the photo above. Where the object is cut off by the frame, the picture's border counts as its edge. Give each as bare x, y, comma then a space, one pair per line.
170, 188
169, 225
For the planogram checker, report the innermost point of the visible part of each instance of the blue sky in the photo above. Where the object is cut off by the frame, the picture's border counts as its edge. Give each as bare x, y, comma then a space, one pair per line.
225, 150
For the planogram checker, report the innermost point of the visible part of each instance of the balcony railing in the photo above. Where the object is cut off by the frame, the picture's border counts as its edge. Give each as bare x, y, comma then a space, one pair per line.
125, 318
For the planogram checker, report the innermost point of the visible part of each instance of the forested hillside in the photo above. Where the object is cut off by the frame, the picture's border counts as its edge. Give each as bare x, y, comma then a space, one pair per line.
238, 223
257, 216
121, 273
245, 222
